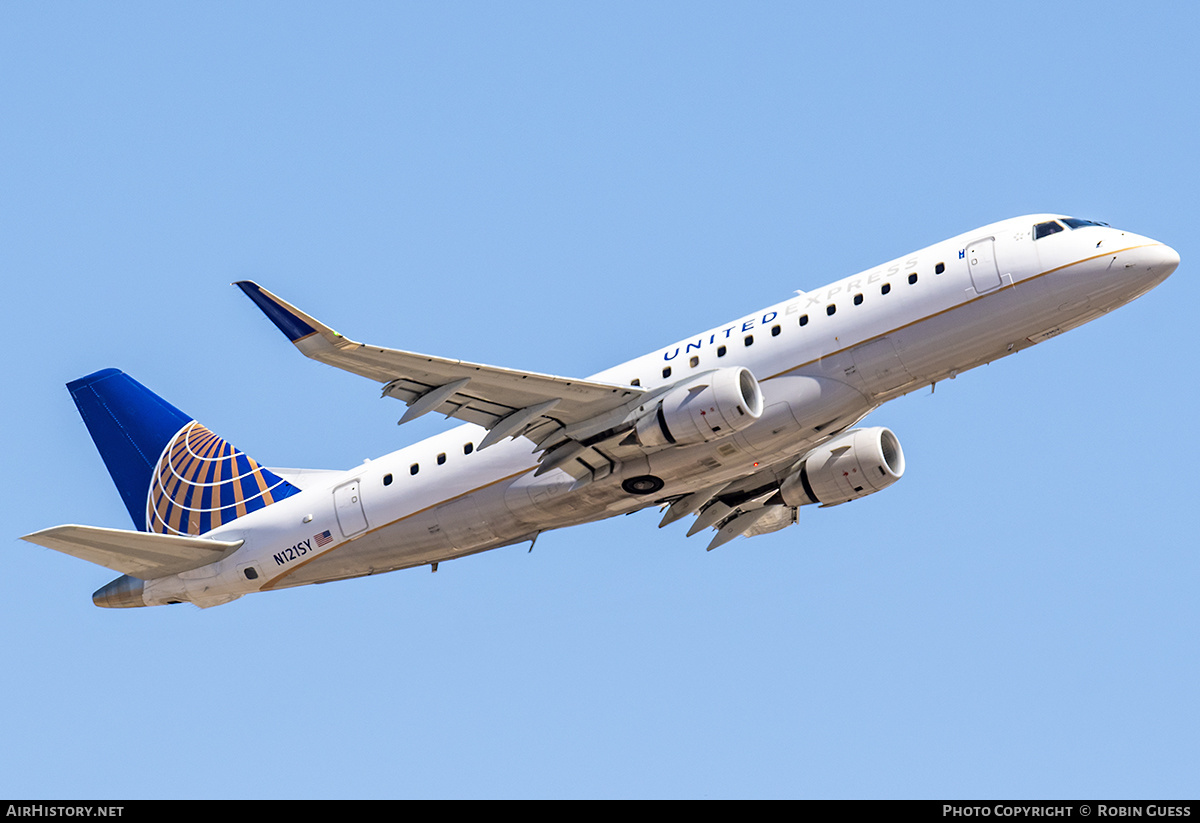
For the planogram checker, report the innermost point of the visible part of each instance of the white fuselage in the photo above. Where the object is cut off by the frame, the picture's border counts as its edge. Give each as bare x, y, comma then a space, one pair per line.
824, 359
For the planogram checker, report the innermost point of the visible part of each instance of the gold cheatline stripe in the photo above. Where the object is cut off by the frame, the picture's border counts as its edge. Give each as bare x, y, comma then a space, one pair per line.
270, 584
959, 306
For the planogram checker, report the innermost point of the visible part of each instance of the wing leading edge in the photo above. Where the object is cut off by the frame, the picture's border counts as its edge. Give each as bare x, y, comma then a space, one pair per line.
548, 410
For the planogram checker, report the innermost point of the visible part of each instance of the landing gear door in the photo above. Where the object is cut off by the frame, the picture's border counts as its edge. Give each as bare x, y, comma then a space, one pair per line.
347, 500
981, 260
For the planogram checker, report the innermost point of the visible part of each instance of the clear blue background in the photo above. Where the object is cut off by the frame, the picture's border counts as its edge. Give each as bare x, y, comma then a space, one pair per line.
558, 187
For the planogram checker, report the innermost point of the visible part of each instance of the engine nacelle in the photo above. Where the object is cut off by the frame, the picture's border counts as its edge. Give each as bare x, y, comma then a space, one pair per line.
707, 407
853, 465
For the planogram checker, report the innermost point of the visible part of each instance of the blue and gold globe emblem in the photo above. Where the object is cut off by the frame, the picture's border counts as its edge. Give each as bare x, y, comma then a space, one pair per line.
202, 482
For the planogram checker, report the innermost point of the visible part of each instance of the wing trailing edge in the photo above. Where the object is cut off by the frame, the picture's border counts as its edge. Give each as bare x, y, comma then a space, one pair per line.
547, 409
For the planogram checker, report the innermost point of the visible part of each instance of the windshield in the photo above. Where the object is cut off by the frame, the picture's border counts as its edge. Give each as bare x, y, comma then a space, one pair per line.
1041, 230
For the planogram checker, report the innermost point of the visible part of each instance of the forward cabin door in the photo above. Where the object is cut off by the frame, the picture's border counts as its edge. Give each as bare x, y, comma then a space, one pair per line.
981, 260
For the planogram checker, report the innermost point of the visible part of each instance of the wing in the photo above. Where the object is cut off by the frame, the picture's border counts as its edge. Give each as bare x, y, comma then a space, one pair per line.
138, 554
550, 411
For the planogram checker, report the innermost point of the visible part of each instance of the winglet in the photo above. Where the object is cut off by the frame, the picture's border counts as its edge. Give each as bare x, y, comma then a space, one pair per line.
287, 318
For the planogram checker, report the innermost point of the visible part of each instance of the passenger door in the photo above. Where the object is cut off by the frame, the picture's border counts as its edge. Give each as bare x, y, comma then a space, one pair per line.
981, 261
347, 500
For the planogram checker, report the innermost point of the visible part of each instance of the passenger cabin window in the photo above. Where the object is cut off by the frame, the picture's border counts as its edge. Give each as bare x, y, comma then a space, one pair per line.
912, 278
667, 371
749, 341
885, 288
441, 458
939, 268
1046, 229
721, 351
695, 361
858, 298
804, 320
830, 309
414, 468
468, 448
387, 480
775, 330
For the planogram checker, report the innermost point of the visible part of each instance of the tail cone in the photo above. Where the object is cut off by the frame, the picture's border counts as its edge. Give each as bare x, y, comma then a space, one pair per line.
123, 593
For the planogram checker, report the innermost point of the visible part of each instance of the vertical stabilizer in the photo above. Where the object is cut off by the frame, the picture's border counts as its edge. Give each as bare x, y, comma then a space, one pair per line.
174, 475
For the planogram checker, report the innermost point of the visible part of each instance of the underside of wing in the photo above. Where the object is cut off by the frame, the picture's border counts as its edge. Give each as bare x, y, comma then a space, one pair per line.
747, 506
851, 465
507, 402
144, 555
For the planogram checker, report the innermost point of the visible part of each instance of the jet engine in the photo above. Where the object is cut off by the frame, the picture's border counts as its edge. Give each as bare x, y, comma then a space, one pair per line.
850, 466
707, 407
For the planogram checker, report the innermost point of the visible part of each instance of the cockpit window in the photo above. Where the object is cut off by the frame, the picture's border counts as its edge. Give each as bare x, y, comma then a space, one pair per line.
1046, 229
1076, 223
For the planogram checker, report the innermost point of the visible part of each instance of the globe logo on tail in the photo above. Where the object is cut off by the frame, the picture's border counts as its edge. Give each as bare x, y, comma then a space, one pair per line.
202, 482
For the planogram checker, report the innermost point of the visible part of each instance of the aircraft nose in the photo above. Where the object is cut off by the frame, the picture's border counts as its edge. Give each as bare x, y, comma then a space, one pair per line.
1155, 259
1166, 259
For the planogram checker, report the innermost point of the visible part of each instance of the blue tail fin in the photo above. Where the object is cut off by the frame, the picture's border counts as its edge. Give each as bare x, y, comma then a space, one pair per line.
175, 476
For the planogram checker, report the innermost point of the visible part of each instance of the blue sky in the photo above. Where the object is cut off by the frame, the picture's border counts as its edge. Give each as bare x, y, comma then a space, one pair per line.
559, 187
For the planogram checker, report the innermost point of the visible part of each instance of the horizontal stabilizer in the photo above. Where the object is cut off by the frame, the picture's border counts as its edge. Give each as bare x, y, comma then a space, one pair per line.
138, 554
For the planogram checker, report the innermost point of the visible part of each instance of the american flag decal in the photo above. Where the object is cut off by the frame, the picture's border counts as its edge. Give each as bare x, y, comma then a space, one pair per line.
323, 539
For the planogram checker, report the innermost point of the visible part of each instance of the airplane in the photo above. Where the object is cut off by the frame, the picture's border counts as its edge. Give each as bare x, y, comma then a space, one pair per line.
738, 426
